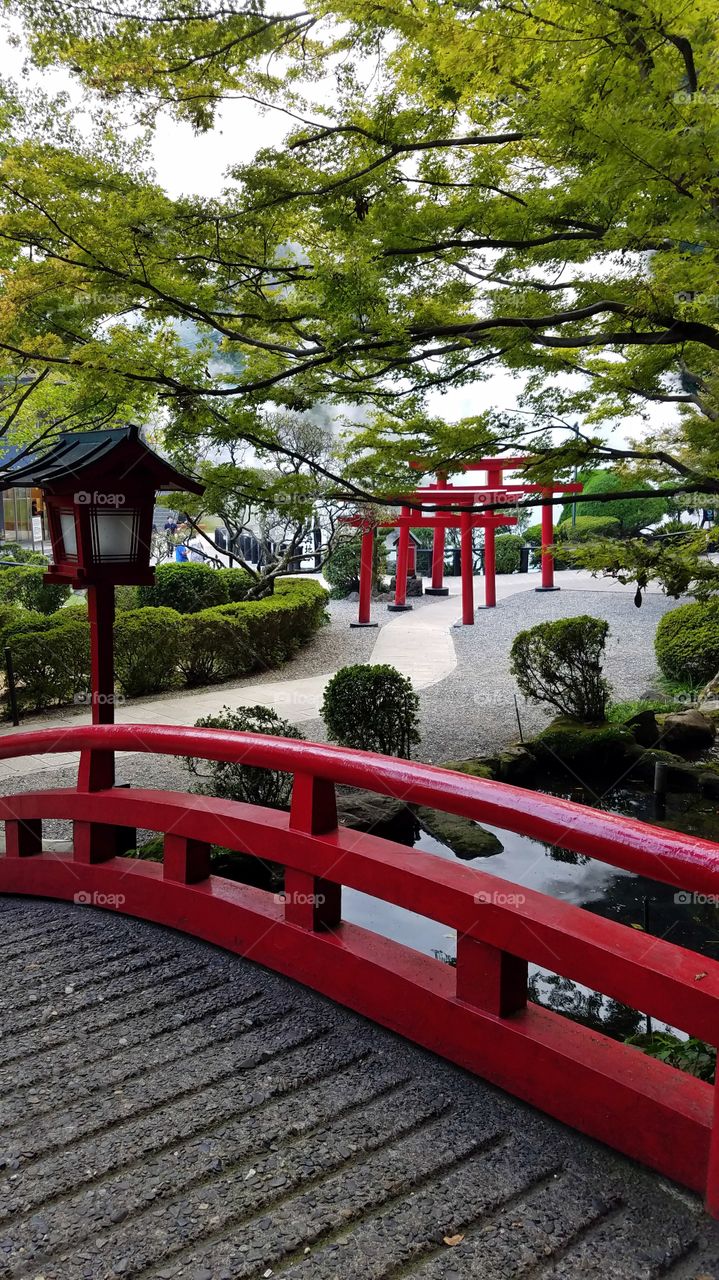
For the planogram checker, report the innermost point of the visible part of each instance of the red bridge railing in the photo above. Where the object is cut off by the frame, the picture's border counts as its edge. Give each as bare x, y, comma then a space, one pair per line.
476, 1015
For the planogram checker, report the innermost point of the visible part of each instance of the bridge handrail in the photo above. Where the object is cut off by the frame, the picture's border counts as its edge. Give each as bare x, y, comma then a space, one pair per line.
684, 861
477, 1013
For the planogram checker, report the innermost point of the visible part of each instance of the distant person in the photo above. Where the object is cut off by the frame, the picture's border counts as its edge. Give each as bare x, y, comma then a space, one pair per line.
195, 549
181, 556
170, 526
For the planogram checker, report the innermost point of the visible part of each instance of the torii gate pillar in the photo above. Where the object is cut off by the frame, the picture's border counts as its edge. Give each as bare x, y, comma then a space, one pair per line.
547, 544
400, 591
438, 588
365, 578
465, 535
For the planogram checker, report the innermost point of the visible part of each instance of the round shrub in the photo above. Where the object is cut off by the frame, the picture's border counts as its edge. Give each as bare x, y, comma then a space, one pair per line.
23, 584
687, 642
187, 588
245, 782
343, 564
560, 663
507, 549
21, 555
373, 708
237, 583
586, 528
214, 645
147, 647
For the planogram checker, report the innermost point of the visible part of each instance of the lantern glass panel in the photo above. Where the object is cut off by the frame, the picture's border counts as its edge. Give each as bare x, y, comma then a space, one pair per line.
115, 536
69, 534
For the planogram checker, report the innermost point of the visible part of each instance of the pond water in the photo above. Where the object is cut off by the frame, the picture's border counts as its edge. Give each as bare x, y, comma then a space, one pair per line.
582, 881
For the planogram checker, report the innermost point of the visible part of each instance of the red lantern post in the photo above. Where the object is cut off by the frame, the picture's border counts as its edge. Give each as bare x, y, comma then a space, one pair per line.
99, 491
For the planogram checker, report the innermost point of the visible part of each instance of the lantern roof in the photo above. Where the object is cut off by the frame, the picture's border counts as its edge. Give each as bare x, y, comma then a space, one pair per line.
117, 453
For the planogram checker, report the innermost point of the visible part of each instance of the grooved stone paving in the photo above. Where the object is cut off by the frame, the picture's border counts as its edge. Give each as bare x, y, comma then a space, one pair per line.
169, 1111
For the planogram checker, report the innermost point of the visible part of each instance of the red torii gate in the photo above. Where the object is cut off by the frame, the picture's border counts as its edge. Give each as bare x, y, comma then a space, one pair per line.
463, 516
495, 491
465, 521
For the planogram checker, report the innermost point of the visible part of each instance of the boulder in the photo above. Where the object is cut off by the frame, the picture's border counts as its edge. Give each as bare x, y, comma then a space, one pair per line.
382, 815
464, 837
587, 751
414, 586
474, 768
686, 731
645, 729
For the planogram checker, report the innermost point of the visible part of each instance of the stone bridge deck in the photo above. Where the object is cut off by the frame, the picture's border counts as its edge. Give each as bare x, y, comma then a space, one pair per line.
172, 1111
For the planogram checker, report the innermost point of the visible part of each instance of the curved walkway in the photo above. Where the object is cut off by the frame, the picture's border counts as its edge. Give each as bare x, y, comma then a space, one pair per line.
171, 1112
420, 643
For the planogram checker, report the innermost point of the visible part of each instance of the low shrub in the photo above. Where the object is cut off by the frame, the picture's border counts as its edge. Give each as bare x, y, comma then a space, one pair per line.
214, 645
507, 549
147, 647
248, 783
126, 597
560, 663
237, 583
186, 588
373, 708
586, 528
23, 584
21, 555
687, 642
51, 663
342, 567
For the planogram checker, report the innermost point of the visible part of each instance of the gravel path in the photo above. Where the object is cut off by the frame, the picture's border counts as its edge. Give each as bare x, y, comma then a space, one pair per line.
173, 1112
472, 712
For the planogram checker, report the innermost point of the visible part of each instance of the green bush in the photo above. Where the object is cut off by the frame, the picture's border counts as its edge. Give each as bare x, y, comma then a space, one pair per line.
507, 548
248, 783
214, 645
687, 642
560, 663
186, 588
23, 584
373, 708
126, 597
155, 647
237, 583
147, 647
586, 528
342, 567
21, 555
532, 536
633, 514
52, 664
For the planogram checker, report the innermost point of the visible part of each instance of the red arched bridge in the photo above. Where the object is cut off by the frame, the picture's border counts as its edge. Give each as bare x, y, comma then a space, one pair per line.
476, 1015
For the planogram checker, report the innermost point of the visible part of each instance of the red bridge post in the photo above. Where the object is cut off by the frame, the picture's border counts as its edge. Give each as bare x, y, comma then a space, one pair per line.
712, 1191
489, 978
311, 901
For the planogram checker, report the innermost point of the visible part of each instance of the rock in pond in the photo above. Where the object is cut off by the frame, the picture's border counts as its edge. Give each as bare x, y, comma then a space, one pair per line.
686, 731
380, 815
464, 837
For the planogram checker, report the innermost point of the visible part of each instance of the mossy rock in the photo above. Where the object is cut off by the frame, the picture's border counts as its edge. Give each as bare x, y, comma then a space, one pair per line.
516, 765
474, 768
595, 749
464, 837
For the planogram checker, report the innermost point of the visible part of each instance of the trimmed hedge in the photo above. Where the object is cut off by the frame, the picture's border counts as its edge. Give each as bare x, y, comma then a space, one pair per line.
156, 648
52, 664
23, 584
186, 588
687, 642
147, 648
586, 528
